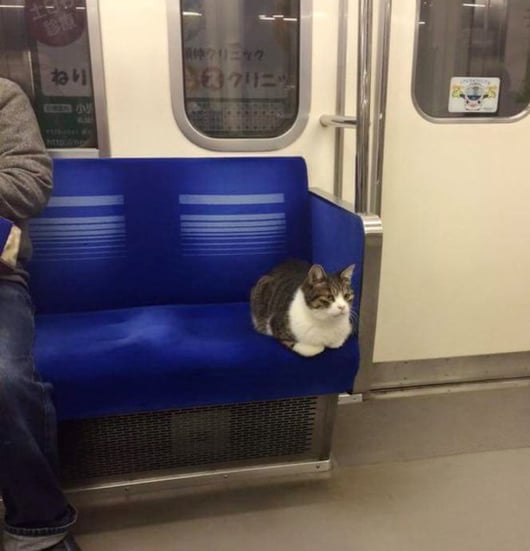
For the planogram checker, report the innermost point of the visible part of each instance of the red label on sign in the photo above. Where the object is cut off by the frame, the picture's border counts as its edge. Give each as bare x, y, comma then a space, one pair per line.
55, 22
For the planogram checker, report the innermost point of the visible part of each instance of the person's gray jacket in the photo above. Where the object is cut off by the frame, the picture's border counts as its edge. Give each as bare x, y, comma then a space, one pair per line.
25, 167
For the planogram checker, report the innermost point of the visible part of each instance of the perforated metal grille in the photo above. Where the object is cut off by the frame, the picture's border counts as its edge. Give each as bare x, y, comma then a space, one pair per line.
187, 438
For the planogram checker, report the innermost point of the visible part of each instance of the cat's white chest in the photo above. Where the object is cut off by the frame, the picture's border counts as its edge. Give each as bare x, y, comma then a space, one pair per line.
306, 329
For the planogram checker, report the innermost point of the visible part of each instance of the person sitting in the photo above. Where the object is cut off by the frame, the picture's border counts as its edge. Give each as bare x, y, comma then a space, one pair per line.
37, 514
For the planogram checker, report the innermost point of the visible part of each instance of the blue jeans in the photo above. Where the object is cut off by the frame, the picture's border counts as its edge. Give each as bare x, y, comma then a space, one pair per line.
34, 502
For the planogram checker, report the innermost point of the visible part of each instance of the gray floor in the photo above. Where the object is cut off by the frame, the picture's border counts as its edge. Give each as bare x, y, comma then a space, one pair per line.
436, 472
467, 502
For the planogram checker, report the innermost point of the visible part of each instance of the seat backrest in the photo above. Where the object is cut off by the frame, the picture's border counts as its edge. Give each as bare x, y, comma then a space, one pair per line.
131, 232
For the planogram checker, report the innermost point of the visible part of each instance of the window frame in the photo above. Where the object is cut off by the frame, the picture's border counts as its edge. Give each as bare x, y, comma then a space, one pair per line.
476, 119
176, 71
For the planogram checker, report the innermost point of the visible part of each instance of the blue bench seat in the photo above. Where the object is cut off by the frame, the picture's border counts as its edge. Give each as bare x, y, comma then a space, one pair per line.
158, 357
141, 277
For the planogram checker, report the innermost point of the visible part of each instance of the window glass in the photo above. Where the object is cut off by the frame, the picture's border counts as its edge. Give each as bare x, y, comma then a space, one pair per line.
44, 48
473, 58
241, 66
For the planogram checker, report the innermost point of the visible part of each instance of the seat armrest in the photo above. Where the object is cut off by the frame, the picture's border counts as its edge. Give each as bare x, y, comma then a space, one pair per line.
337, 232
341, 237
337, 236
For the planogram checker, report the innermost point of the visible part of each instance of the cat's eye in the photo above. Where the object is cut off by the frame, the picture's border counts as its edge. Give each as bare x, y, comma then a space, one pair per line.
323, 301
348, 296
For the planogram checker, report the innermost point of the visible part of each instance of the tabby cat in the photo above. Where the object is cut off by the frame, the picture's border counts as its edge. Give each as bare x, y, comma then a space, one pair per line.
304, 308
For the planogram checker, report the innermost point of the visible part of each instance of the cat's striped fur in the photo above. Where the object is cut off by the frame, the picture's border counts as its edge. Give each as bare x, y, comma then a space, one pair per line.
303, 307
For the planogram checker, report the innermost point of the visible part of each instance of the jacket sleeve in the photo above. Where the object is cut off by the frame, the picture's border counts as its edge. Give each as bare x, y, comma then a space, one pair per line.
25, 167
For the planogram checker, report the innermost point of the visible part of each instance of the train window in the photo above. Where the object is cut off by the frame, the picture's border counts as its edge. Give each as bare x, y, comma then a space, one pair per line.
44, 48
240, 71
472, 59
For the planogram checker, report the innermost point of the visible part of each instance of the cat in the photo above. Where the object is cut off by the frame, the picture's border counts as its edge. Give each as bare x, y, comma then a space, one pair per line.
304, 308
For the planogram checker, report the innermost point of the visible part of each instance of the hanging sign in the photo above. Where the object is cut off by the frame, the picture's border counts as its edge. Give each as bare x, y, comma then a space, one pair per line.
61, 69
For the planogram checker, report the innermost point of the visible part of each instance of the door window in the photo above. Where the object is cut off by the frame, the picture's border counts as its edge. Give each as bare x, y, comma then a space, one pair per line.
472, 58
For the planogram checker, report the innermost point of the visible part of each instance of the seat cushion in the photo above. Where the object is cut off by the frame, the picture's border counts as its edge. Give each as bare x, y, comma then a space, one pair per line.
164, 357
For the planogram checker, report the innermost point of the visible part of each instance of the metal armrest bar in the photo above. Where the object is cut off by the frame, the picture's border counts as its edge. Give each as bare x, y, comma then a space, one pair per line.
330, 198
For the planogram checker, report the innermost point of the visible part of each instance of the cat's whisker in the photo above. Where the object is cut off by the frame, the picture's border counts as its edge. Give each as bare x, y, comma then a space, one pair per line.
354, 319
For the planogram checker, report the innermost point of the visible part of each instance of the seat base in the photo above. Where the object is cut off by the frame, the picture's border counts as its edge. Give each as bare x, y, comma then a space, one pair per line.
161, 449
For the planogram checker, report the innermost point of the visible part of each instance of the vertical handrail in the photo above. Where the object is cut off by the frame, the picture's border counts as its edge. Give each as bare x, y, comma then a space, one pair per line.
342, 61
364, 69
366, 194
366, 202
381, 92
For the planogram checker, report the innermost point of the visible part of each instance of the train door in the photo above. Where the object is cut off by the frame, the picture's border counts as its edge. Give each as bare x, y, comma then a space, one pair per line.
454, 302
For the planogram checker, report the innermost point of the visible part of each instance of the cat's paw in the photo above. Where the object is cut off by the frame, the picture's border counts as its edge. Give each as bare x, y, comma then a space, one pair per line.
336, 344
307, 350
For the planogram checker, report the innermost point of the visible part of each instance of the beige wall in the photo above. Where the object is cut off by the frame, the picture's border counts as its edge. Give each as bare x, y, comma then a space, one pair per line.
456, 206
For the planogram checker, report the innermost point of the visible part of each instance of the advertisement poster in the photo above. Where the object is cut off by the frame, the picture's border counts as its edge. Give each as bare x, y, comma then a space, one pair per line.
242, 78
61, 70
474, 95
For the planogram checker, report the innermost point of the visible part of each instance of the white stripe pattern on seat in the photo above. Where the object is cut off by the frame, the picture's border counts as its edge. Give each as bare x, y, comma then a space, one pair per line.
88, 201
244, 233
83, 238
250, 199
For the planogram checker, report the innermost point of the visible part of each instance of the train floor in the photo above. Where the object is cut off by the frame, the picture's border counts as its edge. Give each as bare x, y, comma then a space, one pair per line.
467, 502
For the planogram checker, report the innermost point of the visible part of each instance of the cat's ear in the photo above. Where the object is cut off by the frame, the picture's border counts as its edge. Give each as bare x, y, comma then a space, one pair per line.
316, 274
347, 273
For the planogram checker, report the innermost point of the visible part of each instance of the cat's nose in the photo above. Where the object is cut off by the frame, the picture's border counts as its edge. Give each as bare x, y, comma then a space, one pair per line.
342, 307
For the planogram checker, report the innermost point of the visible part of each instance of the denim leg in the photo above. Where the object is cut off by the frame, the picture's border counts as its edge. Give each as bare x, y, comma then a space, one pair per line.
34, 502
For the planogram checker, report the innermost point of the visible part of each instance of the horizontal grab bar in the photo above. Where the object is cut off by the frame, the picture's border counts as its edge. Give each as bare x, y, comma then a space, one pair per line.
338, 121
